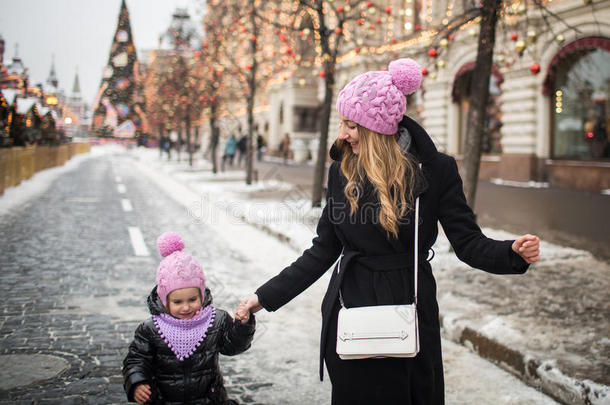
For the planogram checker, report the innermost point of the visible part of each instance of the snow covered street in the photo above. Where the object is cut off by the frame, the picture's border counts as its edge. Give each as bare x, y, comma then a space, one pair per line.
80, 258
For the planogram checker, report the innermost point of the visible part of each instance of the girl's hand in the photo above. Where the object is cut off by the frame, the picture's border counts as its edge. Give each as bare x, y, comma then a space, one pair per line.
528, 247
239, 313
142, 393
247, 305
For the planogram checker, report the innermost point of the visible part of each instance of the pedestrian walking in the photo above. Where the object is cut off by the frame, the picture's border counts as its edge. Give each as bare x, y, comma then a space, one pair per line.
173, 357
285, 147
229, 152
261, 147
375, 184
242, 146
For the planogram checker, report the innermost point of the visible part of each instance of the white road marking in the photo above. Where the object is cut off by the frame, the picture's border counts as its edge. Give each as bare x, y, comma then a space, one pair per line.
121, 188
137, 241
127, 207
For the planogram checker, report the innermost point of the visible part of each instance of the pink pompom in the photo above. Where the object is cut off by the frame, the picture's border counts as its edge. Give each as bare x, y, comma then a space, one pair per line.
169, 243
406, 75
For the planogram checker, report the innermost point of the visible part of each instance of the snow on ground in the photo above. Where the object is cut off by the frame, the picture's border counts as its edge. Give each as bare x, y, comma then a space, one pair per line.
222, 202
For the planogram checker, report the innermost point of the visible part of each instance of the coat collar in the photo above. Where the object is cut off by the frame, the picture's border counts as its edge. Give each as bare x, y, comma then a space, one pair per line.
422, 145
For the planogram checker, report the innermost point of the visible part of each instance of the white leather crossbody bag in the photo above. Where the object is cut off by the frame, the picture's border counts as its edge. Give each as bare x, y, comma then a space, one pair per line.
381, 330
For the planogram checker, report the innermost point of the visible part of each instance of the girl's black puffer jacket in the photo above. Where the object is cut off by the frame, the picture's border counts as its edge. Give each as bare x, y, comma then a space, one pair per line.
195, 380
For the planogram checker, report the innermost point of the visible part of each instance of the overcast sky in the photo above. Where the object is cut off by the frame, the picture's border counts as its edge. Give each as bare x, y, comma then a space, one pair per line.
79, 33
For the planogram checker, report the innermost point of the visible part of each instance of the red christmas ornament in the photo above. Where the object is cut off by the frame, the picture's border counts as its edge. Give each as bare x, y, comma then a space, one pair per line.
424, 72
249, 66
450, 37
288, 51
513, 36
378, 21
357, 49
432, 53
372, 27
283, 38
393, 40
212, 99
340, 9
201, 99
322, 74
338, 31
253, 38
388, 10
360, 21
301, 34
417, 27
369, 4
535, 68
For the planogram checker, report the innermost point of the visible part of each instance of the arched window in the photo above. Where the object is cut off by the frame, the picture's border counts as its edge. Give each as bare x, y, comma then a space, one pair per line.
578, 84
491, 142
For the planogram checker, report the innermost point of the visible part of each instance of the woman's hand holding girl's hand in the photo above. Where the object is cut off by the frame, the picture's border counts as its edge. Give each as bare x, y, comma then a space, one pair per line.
142, 393
528, 247
242, 314
246, 306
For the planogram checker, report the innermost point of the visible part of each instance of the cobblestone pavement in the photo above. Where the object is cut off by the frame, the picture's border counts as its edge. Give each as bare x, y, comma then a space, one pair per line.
72, 289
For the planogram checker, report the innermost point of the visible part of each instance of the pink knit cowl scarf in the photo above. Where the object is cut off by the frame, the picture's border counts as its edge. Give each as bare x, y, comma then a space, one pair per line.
183, 336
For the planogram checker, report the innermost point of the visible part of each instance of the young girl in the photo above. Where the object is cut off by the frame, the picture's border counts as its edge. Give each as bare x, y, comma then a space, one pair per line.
174, 355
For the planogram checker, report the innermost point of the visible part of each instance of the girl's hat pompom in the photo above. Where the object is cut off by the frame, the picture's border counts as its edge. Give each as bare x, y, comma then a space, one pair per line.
406, 75
168, 243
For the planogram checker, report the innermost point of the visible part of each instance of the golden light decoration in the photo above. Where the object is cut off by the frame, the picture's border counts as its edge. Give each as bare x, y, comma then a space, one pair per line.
52, 100
560, 39
440, 64
532, 35
443, 43
520, 46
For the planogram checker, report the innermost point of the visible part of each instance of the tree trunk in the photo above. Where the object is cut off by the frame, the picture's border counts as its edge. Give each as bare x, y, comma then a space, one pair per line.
329, 86
479, 95
189, 143
252, 88
214, 137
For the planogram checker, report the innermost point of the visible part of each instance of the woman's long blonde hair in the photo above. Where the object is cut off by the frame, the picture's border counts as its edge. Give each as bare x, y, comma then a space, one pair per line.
391, 173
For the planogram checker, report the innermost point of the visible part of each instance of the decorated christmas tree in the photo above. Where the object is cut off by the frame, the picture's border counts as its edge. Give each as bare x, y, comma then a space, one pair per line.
119, 105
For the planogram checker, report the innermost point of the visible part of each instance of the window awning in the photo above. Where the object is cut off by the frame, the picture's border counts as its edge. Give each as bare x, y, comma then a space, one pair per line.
570, 49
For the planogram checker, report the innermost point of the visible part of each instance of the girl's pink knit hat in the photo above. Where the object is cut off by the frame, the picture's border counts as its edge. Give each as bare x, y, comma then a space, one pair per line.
376, 100
178, 269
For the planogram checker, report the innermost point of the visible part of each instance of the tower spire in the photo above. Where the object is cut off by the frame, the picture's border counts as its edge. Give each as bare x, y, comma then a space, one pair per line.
76, 85
52, 79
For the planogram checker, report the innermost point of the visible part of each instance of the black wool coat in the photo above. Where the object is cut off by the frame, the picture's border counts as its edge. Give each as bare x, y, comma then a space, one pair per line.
377, 270
196, 380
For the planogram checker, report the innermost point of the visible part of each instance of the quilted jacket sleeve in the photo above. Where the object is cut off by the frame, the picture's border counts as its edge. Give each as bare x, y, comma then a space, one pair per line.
236, 337
137, 366
312, 264
470, 244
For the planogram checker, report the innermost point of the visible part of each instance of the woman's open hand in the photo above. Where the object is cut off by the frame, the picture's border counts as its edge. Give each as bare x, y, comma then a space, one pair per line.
246, 306
528, 247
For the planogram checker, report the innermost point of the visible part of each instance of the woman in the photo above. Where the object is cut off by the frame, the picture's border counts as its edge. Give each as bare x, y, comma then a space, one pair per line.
372, 186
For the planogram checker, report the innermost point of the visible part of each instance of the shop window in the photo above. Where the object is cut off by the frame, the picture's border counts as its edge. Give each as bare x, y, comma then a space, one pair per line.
491, 141
580, 94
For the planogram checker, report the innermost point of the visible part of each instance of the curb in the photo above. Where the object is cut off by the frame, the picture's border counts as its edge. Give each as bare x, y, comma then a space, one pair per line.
540, 374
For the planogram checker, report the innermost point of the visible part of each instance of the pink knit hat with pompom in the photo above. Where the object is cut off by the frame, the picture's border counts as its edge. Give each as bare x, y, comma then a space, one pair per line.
178, 269
376, 100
